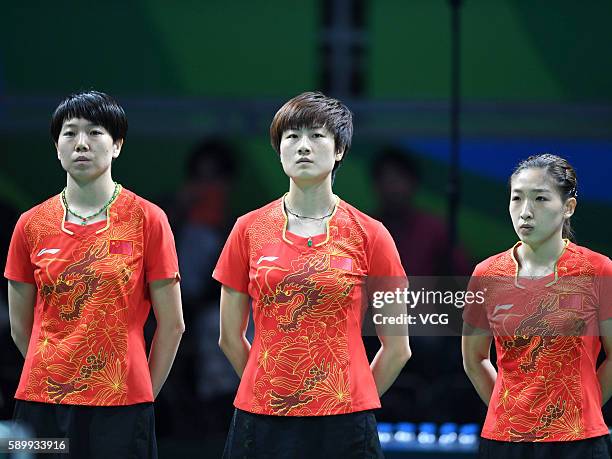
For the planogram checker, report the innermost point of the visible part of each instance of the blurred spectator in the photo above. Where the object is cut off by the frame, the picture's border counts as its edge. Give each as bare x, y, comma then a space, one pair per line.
422, 242
421, 237
201, 218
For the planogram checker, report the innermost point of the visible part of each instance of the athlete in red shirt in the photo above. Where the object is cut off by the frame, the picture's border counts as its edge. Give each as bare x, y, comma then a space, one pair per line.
301, 263
548, 308
84, 268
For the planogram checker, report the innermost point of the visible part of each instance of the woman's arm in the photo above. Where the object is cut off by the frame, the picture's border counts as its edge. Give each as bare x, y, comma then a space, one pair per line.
394, 349
393, 354
166, 301
476, 350
233, 324
604, 372
21, 299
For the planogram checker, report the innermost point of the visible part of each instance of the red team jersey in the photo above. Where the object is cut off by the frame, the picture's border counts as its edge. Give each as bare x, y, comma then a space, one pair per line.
87, 345
546, 334
307, 356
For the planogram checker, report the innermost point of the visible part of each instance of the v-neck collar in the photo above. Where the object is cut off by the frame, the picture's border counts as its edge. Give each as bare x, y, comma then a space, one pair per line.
316, 240
72, 228
555, 272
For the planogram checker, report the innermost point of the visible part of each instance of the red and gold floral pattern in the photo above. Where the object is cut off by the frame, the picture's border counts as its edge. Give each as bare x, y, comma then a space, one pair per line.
91, 303
308, 303
547, 343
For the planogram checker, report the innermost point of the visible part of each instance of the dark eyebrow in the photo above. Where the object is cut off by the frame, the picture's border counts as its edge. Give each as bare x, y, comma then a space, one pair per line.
305, 127
535, 190
74, 125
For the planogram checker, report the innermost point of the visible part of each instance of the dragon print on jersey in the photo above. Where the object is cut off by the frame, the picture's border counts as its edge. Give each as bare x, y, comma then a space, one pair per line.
80, 355
301, 314
310, 292
539, 397
79, 281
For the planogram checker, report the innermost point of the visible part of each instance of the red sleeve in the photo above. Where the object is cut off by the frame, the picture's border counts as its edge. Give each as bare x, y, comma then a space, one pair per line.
384, 260
605, 291
475, 312
160, 260
19, 266
385, 270
232, 269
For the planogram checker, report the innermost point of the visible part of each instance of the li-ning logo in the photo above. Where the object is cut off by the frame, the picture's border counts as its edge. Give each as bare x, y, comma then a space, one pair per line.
266, 259
51, 251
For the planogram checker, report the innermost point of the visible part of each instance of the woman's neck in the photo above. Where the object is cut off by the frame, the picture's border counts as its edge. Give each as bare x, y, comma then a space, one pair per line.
89, 195
545, 254
312, 200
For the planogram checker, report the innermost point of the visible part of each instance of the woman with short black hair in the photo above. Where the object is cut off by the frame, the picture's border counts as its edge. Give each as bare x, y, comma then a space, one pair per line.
301, 264
84, 268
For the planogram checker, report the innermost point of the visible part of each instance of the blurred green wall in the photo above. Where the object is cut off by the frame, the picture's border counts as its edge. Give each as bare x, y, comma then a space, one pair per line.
512, 50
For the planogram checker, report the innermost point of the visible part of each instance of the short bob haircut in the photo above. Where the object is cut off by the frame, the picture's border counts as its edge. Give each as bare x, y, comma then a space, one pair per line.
94, 106
314, 109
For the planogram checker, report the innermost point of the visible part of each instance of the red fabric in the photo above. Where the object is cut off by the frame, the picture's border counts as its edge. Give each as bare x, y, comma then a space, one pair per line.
546, 336
87, 345
307, 357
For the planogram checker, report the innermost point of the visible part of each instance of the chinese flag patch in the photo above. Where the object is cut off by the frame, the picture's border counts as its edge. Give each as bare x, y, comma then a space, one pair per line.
118, 247
571, 301
338, 262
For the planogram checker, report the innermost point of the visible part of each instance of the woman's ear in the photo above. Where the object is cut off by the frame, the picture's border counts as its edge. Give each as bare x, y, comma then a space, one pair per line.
117, 144
569, 207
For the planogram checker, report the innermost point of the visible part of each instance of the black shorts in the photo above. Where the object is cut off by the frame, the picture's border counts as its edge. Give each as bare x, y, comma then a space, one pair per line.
94, 431
591, 448
345, 436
